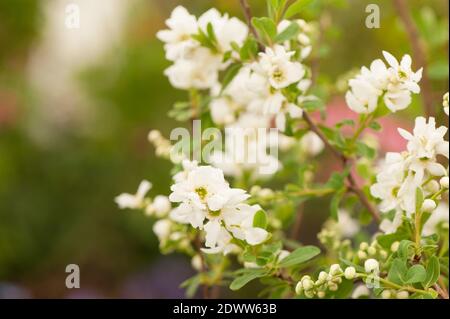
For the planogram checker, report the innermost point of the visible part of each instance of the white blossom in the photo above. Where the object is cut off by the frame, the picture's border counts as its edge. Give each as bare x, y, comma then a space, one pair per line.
311, 144
178, 38
134, 201
424, 145
394, 83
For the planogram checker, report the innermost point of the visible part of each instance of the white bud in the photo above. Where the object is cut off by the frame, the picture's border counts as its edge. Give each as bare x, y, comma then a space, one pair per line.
335, 269
394, 246
361, 254
386, 294
309, 294
428, 205
363, 246
371, 265
323, 276
283, 254
432, 187
402, 295
333, 287
307, 284
154, 135
372, 251
350, 273
161, 205
299, 288
321, 294
444, 182
196, 262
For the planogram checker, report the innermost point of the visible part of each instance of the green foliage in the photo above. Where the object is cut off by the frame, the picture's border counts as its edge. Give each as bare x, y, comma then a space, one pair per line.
300, 255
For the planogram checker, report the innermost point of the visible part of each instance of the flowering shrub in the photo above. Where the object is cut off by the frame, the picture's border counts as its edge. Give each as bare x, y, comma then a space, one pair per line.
252, 81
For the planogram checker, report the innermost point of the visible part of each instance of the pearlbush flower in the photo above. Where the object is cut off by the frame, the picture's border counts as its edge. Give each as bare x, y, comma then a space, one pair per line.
394, 83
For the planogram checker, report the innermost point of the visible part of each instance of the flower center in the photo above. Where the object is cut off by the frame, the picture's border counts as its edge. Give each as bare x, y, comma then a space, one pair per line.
278, 75
201, 192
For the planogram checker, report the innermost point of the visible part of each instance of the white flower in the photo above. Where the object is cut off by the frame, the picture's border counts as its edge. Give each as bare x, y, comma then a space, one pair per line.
445, 103
178, 38
388, 226
204, 190
395, 84
424, 145
162, 229
204, 195
389, 180
276, 65
363, 97
401, 73
227, 30
134, 201
311, 144
199, 69
371, 265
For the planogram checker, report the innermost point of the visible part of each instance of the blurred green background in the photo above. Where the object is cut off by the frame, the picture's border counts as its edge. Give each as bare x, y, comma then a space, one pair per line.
75, 109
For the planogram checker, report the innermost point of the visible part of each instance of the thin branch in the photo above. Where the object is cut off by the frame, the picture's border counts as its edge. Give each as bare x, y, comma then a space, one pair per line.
345, 161
418, 53
198, 245
248, 17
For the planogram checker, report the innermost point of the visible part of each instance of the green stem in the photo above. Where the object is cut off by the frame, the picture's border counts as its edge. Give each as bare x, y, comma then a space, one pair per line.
393, 285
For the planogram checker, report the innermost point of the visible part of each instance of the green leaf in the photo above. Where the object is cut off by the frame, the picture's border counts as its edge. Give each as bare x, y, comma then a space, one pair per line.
249, 49
300, 255
416, 273
397, 273
364, 150
296, 8
245, 277
260, 219
403, 249
287, 34
266, 28
433, 272
191, 285
230, 74
375, 126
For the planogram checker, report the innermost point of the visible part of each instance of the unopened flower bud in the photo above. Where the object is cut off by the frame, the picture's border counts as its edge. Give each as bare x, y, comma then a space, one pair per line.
362, 254
371, 265
394, 246
386, 294
363, 246
333, 287
196, 262
335, 269
299, 288
350, 273
372, 251
444, 182
323, 276
428, 205
402, 294
321, 294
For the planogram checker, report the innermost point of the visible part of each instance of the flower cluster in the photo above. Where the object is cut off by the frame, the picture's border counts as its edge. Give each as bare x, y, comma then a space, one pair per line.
326, 281
393, 83
403, 173
197, 64
253, 86
205, 196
